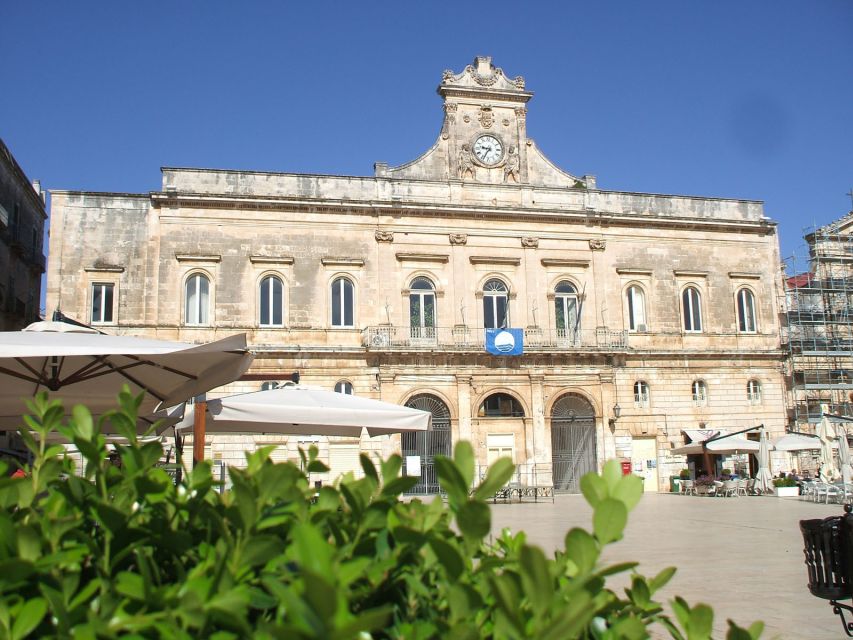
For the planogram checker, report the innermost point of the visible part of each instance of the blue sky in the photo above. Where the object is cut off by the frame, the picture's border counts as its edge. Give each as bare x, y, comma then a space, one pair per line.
727, 98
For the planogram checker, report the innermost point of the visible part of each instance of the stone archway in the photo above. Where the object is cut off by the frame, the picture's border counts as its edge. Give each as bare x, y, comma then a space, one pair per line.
428, 444
572, 441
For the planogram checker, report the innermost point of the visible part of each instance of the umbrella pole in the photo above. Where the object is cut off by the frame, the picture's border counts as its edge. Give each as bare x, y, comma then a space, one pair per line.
199, 425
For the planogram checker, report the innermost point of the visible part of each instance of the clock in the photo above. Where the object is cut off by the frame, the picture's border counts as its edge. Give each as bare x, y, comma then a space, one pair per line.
488, 149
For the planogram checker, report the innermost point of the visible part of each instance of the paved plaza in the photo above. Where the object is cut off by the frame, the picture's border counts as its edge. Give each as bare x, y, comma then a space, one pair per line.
743, 556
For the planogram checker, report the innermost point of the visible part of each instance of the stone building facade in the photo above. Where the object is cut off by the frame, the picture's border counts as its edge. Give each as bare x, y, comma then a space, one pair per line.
641, 315
22, 262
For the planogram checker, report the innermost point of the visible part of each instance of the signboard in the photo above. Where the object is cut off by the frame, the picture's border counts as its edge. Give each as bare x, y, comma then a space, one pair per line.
505, 342
413, 465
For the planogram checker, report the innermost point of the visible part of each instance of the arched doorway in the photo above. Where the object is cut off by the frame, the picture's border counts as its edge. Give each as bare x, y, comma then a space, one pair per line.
428, 444
572, 441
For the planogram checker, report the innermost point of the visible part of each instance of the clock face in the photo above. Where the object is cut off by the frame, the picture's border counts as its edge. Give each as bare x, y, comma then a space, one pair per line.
488, 149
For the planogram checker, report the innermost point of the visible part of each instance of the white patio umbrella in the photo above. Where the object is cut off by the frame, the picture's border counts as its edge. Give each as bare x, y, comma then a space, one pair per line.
826, 434
763, 477
77, 364
844, 456
726, 445
797, 442
303, 410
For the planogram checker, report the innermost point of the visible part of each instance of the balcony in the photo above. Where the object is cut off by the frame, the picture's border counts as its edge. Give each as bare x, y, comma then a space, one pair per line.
463, 338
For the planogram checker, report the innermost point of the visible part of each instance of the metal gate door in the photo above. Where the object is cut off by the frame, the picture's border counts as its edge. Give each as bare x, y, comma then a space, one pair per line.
572, 442
428, 444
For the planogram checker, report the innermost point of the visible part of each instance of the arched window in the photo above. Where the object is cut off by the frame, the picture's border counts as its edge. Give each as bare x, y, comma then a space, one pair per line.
422, 308
501, 405
342, 303
272, 302
344, 387
636, 302
566, 311
197, 297
641, 394
691, 307
753, 392
495, 311
700, 393
746, 311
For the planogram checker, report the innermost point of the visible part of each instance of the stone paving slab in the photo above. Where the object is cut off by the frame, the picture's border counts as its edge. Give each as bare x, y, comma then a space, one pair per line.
743, 556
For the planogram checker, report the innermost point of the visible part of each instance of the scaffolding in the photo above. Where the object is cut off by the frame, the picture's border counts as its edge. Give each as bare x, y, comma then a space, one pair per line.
818, 324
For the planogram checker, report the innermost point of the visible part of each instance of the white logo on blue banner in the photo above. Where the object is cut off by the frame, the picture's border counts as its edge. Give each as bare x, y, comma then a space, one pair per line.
505, 342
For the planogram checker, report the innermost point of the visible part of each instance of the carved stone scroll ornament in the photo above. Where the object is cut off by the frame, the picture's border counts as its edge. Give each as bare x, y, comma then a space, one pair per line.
530, 242
384, 236
521, 113
449, 119
597, 245
458, 238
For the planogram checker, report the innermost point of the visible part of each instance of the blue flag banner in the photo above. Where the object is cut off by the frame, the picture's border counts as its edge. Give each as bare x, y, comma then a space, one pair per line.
505, 342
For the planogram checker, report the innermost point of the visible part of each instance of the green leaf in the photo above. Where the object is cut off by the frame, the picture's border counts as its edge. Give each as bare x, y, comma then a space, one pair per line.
451, 480
474, 519
368, 467
258, 550
582, 549
463, 456
391, 468
82, 423
449, 557
536, 578
681, 610
661, 579
131, 585
29, 617
609, 520
594, 488
640, 592
700, 623
612, 474
497, 476
628, 490
399, 485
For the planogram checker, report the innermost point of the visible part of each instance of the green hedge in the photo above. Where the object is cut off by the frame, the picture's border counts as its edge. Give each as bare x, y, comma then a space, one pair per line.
108, 552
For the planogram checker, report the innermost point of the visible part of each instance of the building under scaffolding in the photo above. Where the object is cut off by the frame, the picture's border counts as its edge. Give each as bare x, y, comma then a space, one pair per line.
819, 325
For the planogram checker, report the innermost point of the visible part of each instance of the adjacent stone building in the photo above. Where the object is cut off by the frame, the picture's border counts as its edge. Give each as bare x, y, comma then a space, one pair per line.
819, 326
22, 263
641, 315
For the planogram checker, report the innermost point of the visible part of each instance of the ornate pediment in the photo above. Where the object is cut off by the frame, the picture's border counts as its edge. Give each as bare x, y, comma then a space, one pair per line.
483, 76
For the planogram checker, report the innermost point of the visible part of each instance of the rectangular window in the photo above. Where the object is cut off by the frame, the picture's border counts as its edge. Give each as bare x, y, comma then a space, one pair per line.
102, 302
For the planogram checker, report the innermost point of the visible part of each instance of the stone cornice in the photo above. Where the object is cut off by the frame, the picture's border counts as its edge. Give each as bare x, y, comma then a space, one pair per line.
744, 276
564, 262
341, 262
423, 257
496, 260
271, 259
633, 271
198, 257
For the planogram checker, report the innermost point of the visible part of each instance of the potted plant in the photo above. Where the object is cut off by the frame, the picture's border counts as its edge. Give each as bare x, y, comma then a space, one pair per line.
684, 474
786, 487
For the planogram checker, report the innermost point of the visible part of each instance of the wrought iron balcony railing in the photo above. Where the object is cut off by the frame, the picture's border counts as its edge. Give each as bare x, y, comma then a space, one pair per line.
390, 338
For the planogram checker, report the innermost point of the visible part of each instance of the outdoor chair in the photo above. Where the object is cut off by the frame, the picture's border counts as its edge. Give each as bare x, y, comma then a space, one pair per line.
807, 490
820, 492
718, 489
834, 493
742, 487
729, 489
688, 488
750, 487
